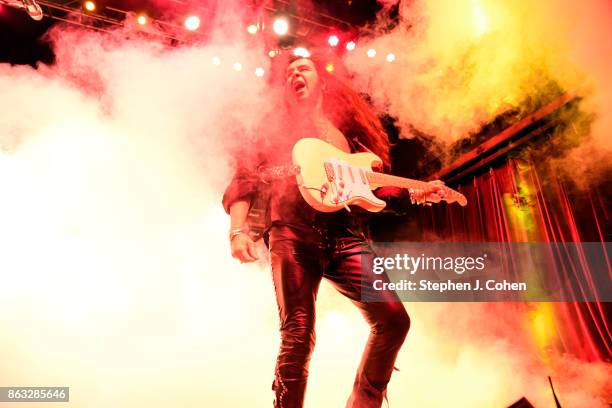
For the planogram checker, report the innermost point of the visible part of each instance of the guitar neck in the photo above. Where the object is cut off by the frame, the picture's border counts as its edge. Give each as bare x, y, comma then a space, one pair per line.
388, 180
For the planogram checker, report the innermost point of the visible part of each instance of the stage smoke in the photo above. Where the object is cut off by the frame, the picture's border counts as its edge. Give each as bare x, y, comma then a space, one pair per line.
460, 64
116, 275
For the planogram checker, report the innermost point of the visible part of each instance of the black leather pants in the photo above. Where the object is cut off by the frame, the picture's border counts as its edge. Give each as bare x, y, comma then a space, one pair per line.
301, 256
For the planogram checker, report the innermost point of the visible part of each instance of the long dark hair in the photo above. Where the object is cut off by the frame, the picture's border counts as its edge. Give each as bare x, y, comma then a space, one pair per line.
347, 109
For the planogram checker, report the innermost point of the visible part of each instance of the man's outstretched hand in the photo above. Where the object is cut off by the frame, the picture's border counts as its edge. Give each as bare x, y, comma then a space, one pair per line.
244, 248
434, 193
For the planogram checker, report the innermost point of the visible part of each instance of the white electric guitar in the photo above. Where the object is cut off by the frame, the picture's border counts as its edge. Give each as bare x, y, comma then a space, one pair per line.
330, 179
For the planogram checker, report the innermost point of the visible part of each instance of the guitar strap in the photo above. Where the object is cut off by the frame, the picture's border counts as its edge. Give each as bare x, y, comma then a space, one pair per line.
268, 174
356, 142
258, 214
257, 217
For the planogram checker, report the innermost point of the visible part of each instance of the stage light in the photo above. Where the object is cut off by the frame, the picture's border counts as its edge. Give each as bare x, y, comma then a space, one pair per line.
216, 60
141, 19
390, 57
301, 52
272, 53
237, 66
259, 72
329, 67
280, 26
333, 40
252, 29
90, 6
371, 53
350, 46
192, 23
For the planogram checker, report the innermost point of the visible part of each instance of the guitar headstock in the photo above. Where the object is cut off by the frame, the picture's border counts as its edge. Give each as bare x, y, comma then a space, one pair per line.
451, 196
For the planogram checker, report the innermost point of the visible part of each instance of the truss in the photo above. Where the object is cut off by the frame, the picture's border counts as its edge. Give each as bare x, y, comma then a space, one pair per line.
109, 19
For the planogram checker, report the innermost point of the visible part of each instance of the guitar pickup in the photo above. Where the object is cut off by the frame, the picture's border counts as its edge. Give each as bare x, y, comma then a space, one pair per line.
329, 171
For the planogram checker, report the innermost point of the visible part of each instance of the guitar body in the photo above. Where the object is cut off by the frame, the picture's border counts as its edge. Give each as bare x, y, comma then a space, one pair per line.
330, 179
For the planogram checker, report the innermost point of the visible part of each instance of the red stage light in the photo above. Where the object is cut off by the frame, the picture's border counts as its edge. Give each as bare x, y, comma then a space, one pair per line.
371, 53
90, 6
350, 46
192, 23
333, 40
142, 20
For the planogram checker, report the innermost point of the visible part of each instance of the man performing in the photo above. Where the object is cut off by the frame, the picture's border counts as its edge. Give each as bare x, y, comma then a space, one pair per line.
306, 245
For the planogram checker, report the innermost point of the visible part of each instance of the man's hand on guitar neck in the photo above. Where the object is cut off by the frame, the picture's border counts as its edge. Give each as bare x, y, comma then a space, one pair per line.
434, 193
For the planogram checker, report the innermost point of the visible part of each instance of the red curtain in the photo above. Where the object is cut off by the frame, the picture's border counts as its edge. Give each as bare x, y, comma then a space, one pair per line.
520, 201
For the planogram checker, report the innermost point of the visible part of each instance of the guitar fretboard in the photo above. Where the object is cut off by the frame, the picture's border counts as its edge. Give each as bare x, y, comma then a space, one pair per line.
402, 182
389, 180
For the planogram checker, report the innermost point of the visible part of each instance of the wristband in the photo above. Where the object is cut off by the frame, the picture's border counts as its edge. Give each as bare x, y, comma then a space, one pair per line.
235, 232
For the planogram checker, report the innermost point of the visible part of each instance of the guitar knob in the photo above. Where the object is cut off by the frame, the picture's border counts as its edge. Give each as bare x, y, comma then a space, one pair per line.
323, 191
